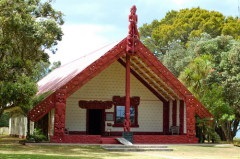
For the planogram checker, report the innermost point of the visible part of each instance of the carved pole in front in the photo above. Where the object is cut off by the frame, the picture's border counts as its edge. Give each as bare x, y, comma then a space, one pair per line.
132, 39
127, 121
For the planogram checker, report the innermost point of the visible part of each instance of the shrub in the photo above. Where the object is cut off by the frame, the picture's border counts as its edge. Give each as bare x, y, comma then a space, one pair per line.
37, 136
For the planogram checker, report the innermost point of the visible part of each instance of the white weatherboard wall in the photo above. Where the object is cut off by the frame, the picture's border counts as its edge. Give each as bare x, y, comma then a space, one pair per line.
109, 83
18, 126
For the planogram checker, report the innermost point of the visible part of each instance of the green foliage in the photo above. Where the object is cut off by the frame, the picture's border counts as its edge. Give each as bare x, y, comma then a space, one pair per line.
184, 25
213, 77
28, 30
37, 136
4, 120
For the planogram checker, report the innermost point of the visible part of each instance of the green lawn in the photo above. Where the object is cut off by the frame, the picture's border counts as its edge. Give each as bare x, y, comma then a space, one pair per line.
11, 149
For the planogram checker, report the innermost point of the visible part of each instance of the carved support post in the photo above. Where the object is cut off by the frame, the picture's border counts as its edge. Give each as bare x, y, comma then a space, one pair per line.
127, 121
190, 114
60, 110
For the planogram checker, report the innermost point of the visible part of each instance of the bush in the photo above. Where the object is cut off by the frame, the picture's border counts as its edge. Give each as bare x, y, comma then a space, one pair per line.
37, 136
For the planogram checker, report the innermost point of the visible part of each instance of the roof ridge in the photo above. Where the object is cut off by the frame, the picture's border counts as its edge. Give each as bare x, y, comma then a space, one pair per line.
90, 53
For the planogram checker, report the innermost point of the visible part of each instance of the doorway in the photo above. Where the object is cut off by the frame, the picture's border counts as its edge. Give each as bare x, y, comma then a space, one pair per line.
95, 125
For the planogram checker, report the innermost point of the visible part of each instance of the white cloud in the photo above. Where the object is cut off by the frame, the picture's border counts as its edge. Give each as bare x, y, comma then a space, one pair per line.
81, 39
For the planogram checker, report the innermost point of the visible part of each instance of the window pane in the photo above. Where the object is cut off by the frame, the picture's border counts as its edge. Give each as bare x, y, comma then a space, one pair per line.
120, 114
132, 114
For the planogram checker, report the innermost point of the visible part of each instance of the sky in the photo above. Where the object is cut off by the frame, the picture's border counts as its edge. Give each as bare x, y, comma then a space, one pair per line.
91, 24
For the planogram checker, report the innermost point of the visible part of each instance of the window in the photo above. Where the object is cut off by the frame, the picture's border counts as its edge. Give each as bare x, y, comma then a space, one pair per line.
119, 104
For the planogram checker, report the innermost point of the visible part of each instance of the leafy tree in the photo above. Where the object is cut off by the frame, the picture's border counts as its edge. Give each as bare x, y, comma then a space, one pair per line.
28, 30
213, 77
4, 120
185, 24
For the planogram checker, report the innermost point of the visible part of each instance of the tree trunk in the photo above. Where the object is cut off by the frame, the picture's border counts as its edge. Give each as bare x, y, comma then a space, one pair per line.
227, 129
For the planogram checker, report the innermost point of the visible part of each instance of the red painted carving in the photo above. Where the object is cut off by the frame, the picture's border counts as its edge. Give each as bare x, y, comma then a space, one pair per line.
95, 104
127, 121
133, 35
41, 109
174, 113
60, 110
134, 101
190, 115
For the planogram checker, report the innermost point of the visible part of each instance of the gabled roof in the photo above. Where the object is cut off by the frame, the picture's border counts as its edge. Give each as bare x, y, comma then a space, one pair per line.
65, 73
144, 65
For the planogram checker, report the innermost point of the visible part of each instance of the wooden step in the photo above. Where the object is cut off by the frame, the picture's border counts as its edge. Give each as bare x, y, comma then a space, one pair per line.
136, 148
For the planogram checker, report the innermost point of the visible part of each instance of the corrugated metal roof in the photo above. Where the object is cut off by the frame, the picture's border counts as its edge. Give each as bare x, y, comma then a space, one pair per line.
60, 76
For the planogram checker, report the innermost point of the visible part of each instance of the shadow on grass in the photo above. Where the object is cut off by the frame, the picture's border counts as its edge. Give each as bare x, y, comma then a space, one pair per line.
11, 149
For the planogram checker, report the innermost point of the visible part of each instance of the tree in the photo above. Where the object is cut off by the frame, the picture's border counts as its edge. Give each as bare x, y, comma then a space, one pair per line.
28, 30
185, 24
213, 77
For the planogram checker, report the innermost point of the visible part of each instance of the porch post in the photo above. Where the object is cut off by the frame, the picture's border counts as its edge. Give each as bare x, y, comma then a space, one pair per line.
181, 117
127, 121
174, 113
60, 110
190, 115
166, 118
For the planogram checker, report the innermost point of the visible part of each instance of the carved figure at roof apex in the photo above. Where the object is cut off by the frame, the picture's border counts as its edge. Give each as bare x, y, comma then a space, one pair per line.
133, 35
133, 19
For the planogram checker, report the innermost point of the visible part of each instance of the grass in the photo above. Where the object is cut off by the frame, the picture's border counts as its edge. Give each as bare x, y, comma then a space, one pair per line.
11, 149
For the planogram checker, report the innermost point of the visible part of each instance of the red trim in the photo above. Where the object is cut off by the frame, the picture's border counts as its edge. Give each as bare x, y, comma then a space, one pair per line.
137, 139
59, 118
181, 117
163, 139
174, 113
88, 139
166, 117
190, 115
95, 104
127, 121
77, 132
118, 133
42, 108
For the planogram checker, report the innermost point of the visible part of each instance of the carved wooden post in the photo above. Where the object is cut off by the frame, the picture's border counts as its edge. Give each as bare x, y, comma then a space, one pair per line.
127, 121
132, 39
60, 110
190, 115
